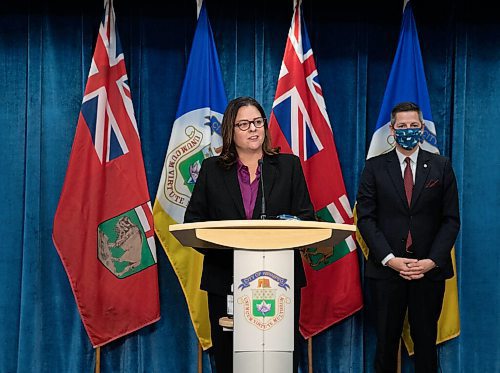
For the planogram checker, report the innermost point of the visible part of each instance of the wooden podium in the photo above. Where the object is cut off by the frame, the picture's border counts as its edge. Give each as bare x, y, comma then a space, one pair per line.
263, 280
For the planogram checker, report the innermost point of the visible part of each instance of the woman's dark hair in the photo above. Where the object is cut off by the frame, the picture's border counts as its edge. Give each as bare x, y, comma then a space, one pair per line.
229, 155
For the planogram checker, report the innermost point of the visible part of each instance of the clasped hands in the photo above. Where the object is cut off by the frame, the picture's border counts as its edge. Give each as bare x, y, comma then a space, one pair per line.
411, 269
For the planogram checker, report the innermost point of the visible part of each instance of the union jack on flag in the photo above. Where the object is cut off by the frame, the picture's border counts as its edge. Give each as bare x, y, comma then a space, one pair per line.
299, 124
103, 226
107, 103
299, 97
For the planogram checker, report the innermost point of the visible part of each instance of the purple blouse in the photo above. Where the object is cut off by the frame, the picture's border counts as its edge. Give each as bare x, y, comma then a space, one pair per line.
248, 190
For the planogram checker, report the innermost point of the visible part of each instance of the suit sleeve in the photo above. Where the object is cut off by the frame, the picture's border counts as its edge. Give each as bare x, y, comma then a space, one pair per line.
198, 209
450, 224
366, 209
301, 202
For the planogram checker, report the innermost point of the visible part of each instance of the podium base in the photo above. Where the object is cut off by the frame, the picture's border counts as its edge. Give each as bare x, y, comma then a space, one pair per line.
268, 362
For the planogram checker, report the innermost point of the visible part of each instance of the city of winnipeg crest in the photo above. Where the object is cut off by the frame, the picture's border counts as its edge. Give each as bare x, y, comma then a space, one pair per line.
266, 306
125, 243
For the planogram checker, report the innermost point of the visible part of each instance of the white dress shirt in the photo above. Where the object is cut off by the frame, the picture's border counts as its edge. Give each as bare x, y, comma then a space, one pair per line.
402, 164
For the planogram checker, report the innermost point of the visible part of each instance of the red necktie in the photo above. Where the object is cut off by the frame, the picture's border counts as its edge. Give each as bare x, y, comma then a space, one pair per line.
408, 181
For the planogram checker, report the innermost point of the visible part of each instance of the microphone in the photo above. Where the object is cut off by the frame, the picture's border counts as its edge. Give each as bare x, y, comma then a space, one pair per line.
263, 214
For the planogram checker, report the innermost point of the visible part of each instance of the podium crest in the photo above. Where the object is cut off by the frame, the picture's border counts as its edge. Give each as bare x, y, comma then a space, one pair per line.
266, 305
263, 299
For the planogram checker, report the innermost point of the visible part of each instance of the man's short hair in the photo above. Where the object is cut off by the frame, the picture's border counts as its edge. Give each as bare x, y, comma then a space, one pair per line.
406, 106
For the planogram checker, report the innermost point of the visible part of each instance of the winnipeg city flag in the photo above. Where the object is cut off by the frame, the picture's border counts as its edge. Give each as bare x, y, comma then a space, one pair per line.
103, 226
407, 83
195, 136
299, 124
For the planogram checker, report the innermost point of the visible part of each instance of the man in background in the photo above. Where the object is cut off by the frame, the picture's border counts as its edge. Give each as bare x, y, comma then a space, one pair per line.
408, 215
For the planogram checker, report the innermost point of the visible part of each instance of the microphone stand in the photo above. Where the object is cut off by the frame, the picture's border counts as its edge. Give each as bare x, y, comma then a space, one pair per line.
263, 214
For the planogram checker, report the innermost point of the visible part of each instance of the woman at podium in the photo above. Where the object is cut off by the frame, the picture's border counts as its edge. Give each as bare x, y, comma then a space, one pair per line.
249, 180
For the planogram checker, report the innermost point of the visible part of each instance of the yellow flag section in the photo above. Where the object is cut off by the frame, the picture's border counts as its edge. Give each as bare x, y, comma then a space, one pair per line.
187, 264
449, 320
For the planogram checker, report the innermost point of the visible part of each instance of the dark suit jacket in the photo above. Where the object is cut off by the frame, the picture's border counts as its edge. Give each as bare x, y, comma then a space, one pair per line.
384, 216
217, 196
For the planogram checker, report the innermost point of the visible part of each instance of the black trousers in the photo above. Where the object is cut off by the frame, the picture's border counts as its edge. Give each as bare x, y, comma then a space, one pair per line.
222, 341
423, 299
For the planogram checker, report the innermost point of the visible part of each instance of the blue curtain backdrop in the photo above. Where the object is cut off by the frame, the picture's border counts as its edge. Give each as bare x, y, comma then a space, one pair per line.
45, 54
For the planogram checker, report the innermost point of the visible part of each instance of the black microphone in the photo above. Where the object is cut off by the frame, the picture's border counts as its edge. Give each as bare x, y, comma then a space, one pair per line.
263, 214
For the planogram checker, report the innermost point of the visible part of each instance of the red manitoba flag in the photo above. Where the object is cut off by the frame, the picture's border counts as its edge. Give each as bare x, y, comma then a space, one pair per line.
103, 226
300, 125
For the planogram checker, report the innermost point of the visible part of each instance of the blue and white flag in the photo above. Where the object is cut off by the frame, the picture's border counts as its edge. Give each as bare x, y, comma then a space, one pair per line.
406, 83
195, 136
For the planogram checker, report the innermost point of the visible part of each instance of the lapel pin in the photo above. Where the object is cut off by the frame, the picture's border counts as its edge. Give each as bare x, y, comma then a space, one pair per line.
425, 165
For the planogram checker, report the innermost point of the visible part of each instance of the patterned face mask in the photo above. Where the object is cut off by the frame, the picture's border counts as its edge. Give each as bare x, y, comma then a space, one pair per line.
408, 138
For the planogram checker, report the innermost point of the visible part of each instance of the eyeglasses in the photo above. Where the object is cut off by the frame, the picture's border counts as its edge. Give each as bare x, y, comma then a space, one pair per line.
244, 125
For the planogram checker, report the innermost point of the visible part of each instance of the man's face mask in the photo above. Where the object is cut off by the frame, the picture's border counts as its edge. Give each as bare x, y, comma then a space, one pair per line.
408, 138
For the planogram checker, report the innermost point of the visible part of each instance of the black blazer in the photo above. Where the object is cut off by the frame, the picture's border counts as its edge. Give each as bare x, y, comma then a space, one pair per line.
217, 196
384, 216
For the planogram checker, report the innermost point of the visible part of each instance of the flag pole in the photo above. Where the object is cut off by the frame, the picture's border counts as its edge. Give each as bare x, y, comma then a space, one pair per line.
399, 357
200, 360
97, 359
310, 354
